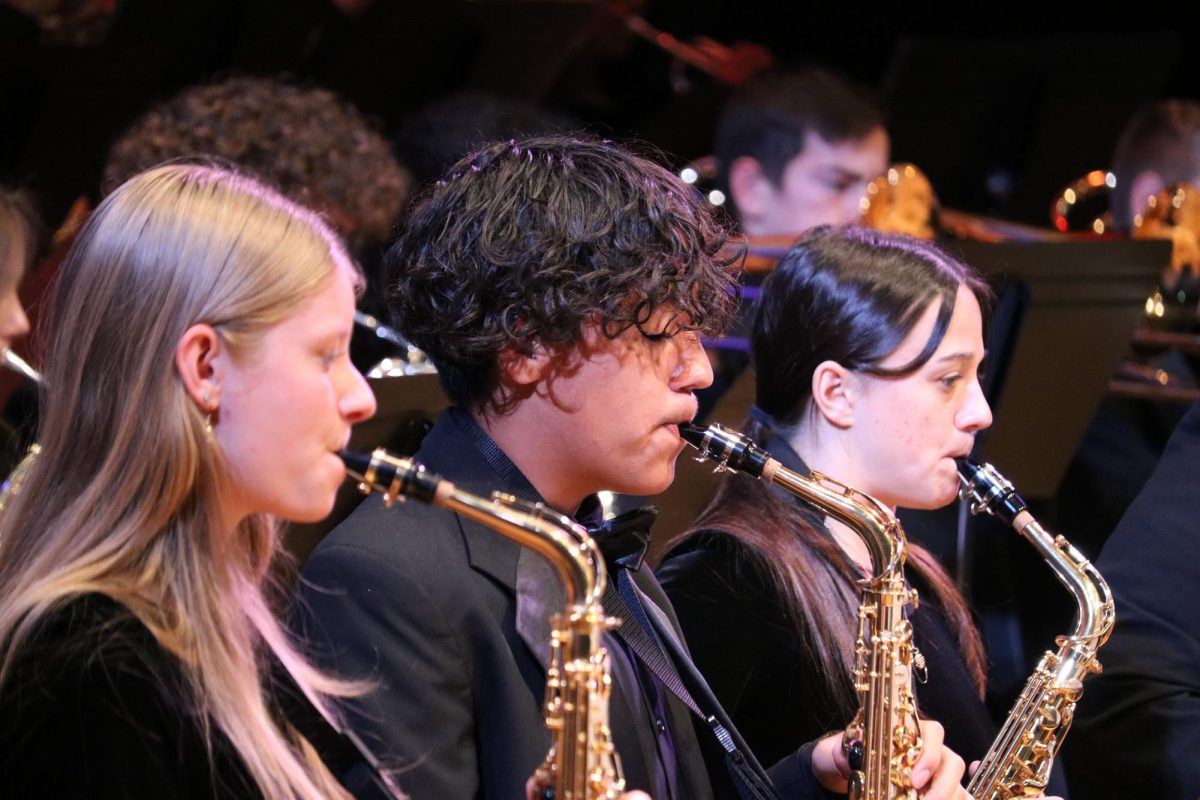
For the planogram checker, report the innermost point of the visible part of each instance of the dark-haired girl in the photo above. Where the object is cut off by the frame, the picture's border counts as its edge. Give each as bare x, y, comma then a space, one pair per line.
867, 349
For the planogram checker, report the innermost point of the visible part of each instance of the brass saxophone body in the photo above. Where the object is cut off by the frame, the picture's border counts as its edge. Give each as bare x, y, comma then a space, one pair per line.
883, 741
582, 763
1019, 761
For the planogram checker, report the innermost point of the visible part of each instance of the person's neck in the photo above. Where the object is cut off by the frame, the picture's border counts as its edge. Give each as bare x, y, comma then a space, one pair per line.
824, 451
548, 462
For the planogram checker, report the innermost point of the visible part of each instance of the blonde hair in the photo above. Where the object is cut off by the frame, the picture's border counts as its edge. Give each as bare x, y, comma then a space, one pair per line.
123, 500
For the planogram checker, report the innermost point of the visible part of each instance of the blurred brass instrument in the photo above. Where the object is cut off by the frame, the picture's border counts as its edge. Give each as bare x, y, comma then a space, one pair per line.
883, 741
582, 763
1019, 761
1083, 205
1176, 206
1174, 214
902, 200
12, 484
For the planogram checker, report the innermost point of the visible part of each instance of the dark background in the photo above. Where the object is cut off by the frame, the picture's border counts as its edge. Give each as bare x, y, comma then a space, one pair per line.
1001, 113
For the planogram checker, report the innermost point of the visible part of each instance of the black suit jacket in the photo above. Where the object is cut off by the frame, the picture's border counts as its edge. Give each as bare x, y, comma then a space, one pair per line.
450, 622
1137, 728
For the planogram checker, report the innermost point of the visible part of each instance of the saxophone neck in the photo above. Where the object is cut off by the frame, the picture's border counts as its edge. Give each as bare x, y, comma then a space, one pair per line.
556, 537
1093, 599
874, 524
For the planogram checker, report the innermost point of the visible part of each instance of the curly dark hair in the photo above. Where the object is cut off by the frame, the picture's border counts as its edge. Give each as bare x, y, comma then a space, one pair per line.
526, 241
308, 143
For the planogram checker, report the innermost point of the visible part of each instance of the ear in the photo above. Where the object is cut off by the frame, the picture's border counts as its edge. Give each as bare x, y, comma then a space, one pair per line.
834, 391
524, 369
195, 357
1145, 185
749, 187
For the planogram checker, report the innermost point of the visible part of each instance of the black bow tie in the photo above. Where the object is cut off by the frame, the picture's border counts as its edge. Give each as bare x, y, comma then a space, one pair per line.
623, 539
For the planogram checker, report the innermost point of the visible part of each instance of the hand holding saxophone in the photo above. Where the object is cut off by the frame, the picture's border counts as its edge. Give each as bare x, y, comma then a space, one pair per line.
937, 773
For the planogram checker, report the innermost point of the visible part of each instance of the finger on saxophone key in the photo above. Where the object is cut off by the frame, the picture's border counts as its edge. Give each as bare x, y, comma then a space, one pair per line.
938, 772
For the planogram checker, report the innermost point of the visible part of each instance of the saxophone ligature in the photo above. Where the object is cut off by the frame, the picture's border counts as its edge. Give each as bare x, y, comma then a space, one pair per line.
582, 763
1019, 761
883, 741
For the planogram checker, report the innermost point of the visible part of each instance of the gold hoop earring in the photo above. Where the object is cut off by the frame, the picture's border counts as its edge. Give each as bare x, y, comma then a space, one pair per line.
209, 410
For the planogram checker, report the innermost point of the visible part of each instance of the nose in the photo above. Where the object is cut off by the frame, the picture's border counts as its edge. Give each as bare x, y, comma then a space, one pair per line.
356, 401
693, 370
13, 322
975, 413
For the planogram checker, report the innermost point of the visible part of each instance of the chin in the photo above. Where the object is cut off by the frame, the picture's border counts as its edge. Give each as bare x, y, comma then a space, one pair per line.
312, 509
308, 515
647, 484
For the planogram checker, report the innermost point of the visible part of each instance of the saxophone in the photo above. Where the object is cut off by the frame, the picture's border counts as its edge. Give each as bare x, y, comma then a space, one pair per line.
883, 741
16, 479
582, 763
1018, 762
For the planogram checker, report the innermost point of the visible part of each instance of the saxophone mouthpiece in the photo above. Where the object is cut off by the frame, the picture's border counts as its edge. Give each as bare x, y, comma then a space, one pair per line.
394, 477
356, 463
693, 435
985, 489
728, 449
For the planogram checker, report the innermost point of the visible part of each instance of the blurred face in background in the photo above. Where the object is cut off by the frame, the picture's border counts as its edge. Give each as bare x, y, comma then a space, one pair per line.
13, 258
821, 185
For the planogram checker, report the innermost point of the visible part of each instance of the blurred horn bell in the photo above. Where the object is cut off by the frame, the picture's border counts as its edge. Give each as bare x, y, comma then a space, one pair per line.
901, 200
1084, 205
1173, 213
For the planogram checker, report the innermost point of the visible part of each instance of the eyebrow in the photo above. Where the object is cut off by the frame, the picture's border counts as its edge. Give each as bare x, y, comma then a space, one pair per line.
961, 356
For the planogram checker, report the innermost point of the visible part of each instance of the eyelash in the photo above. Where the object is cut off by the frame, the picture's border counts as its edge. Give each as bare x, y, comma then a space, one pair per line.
330, 356
949, 381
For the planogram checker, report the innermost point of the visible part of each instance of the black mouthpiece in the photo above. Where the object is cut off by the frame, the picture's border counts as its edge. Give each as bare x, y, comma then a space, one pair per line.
987, 490
729, 449
356, 463
391, 476
693, 434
